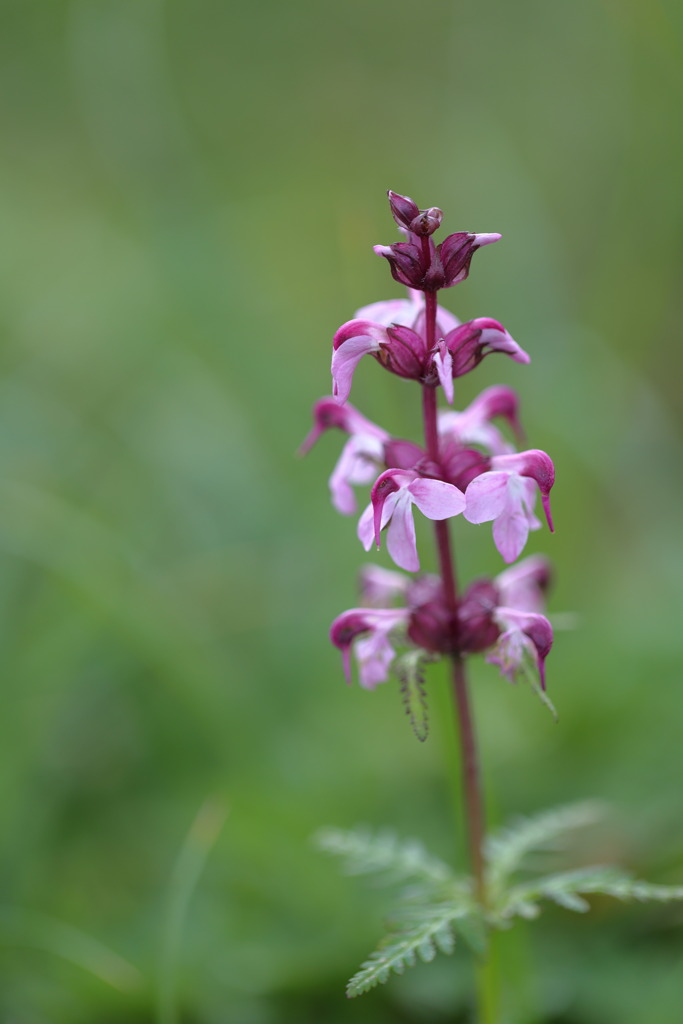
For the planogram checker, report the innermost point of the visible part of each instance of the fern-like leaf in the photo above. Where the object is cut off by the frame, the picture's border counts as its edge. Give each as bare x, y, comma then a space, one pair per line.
382, 853
506, 849
431, 932
569, 888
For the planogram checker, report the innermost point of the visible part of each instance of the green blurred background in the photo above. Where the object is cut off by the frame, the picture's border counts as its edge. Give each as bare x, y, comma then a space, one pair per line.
189, 195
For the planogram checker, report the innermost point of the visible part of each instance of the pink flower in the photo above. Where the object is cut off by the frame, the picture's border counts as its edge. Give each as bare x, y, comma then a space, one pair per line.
361, 457
393, 495
526, 634
523, 586
367, 631
464, 348
379, 586
473, 425
507, 494
393, 332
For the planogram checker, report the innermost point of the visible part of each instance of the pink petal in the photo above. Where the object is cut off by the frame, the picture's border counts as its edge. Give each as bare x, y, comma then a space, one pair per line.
374, 655
390, 311
486, 497
357, 464
498, 340
401, 536
345, 359
443, 361
381, 586
366, 527
487, 238
437, 499
510, 532
445, 321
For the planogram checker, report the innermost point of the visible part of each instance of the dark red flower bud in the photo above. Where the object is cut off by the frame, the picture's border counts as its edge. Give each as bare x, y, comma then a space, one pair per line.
476, 627
403, 209
405, 352
469, 343
407, 263
433, 627
456, 254
426, 222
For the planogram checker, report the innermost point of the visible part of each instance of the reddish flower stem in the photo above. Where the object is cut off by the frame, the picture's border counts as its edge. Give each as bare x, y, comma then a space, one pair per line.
468, 748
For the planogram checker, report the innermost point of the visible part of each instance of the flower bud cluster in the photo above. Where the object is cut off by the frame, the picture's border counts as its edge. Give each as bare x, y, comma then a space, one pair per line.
467, 467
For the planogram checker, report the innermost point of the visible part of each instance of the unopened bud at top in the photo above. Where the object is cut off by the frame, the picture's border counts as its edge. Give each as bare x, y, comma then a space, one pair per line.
411, 218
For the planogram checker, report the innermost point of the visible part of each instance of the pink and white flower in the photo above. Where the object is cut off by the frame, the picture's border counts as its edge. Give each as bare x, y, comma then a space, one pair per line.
523, 586
525, 634
367, 632
393, 496
473, 425
507, 494
361, 457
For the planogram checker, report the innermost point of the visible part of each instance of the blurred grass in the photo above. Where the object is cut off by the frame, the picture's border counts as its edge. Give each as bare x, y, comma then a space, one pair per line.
188, 198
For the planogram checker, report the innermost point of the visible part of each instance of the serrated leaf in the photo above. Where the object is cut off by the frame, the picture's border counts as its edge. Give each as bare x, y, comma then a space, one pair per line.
382, 853
430, 934
568, 889
505, 850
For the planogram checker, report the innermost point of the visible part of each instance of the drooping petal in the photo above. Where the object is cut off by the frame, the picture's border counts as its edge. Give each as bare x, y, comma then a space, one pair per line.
436, 499
510, 533
345, 359
358, 463
374, 655
486, 497
401, 543
443, 362
366, 527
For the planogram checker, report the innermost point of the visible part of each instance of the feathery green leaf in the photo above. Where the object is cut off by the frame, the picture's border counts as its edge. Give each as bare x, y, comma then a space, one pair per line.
431, 932
365, 853
506, 849
568, 889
